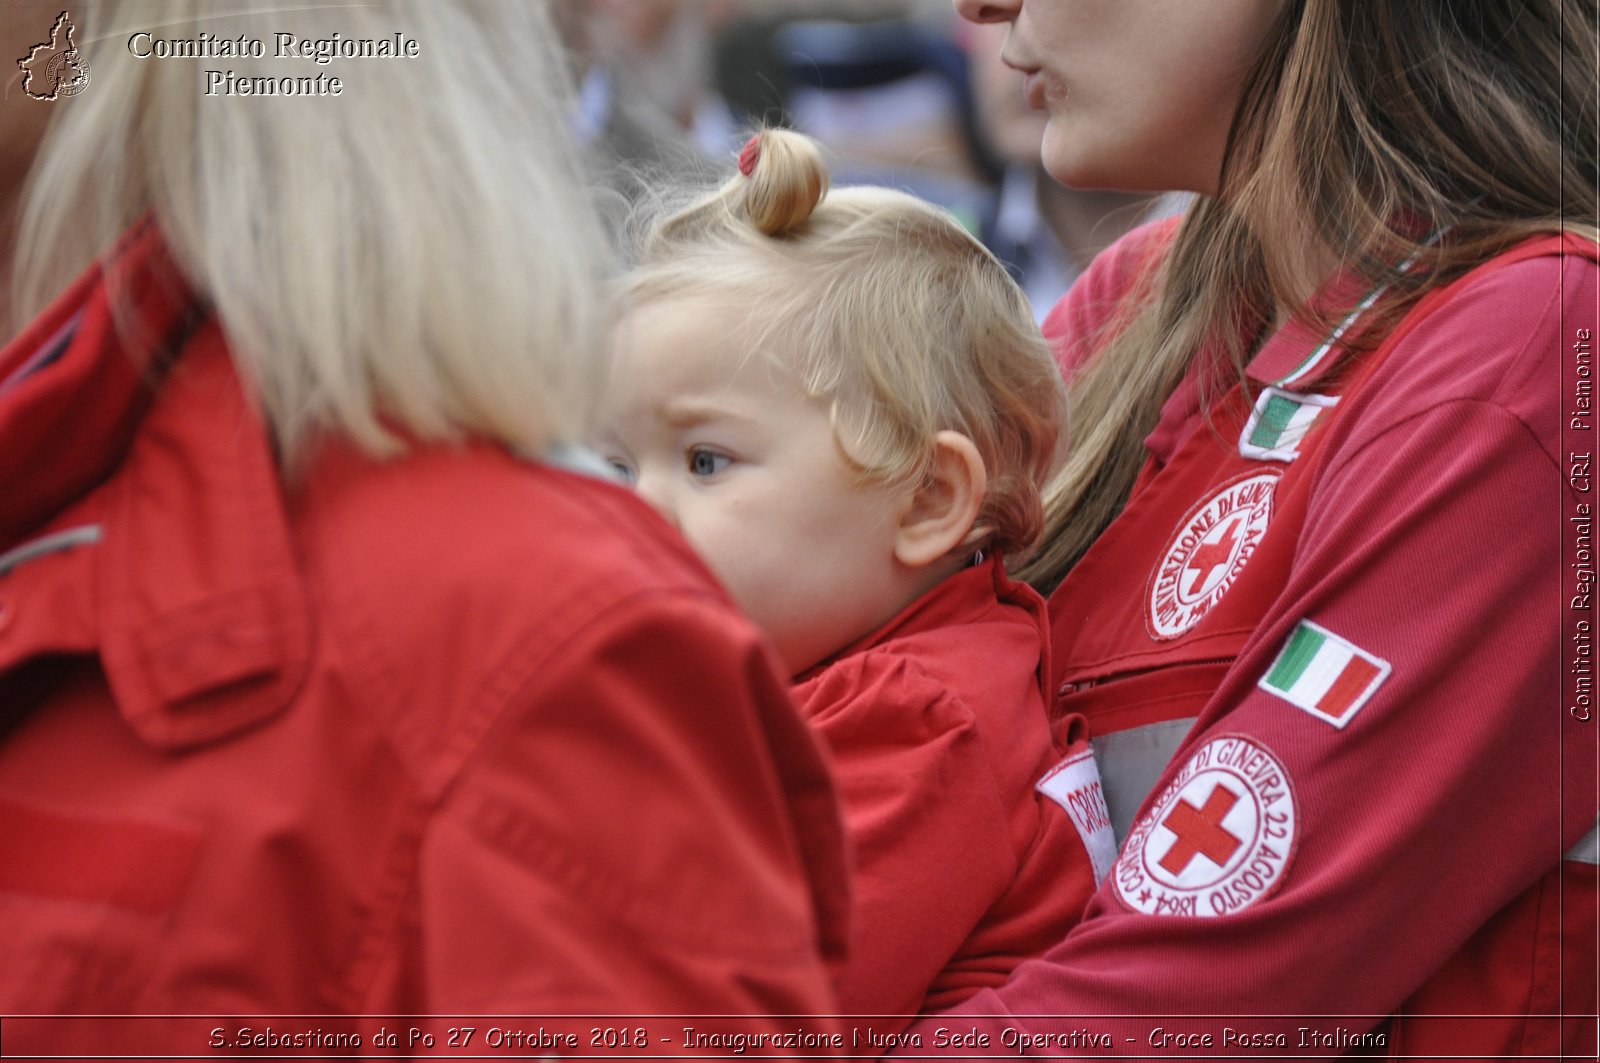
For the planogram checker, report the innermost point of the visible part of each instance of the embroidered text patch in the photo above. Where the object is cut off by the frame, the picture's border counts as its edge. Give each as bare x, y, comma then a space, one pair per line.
1074, 784
1217, 838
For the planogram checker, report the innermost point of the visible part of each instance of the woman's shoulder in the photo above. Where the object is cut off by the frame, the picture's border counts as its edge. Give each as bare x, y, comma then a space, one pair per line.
448, 537
1503, 334
1517, 286
1511, 342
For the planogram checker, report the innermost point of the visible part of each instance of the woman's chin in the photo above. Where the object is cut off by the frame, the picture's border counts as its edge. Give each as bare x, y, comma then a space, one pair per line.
1068, 155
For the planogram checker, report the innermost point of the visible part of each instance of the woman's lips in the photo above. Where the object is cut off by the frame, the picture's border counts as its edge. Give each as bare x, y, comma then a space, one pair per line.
1033, 89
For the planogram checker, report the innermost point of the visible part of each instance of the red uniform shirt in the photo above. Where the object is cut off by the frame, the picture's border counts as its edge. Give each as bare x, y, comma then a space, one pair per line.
1324, 673
940, 732
451, 734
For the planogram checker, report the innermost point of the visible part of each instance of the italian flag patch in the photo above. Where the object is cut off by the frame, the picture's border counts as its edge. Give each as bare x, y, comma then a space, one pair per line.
1279, 422
1325, 675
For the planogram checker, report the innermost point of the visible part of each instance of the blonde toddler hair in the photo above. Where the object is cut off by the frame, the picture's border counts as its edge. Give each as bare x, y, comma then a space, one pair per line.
890, 313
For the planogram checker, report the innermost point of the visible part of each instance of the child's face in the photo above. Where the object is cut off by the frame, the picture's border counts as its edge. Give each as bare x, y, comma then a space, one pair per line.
724, 442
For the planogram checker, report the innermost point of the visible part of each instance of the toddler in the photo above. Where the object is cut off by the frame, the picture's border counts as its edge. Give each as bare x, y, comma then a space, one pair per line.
842, 401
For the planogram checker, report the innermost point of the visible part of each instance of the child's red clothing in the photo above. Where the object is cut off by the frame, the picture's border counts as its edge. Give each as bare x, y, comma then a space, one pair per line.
939, 733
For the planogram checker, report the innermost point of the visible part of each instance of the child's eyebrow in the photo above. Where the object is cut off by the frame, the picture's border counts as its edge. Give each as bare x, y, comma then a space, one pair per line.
688, 413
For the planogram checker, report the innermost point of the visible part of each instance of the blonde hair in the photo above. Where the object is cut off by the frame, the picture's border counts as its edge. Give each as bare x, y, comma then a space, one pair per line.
1363, 125
412, 256
888, 311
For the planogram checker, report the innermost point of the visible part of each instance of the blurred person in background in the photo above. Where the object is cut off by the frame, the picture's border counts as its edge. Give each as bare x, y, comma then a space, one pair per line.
659, 53
330, 684
646, 109
880, 83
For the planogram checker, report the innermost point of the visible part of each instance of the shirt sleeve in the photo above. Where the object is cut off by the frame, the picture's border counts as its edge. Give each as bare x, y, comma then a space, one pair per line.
1432, 547
929, 834
648, 829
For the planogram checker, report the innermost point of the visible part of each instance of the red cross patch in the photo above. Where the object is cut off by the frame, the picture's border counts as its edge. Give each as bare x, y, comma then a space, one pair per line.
1200, 831
1207, 553
1218, 837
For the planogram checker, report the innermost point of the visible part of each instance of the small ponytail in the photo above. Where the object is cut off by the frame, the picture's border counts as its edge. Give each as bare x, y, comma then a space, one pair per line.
782, 179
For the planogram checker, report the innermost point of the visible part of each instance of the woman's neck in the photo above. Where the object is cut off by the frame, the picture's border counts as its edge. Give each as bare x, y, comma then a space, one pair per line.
1086, 222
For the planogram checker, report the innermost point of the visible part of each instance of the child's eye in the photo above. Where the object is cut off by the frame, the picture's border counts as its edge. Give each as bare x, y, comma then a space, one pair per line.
703, 462
624, 470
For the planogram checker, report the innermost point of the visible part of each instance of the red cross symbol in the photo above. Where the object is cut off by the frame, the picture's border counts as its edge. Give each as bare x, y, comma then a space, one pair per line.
1211, 556
1200, 831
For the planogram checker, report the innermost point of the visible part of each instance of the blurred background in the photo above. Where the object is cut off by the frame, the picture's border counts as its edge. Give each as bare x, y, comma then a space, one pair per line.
901, 93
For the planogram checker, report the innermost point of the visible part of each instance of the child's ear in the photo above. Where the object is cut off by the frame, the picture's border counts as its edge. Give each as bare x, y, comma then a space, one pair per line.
946, 505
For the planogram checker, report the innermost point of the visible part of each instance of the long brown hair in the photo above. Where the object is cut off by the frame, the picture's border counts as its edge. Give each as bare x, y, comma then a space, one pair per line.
1362, 126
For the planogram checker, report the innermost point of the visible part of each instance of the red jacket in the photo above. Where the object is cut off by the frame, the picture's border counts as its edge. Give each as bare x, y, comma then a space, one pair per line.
940, 734
1330, 680
452, 734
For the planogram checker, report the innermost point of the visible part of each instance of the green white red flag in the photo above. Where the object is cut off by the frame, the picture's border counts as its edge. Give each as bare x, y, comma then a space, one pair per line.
1327, 676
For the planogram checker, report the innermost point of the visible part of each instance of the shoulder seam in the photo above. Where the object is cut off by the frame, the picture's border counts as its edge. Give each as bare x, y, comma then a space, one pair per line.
1344, 457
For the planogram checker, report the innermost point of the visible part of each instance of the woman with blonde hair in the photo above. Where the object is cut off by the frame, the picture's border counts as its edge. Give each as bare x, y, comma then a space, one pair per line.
1309, 574
332, 685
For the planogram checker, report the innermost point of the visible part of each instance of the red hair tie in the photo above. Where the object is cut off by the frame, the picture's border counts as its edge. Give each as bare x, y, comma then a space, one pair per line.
749, 154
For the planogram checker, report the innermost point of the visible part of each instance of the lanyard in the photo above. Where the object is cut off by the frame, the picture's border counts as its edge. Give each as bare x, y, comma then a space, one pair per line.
1316, 357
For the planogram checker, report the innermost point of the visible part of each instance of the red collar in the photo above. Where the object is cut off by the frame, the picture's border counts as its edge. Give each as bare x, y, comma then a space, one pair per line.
203, 624
1290, 351
954, 600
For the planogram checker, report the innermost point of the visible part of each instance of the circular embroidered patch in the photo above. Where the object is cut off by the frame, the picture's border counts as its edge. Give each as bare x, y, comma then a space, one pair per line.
1218, 838
1207, 554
